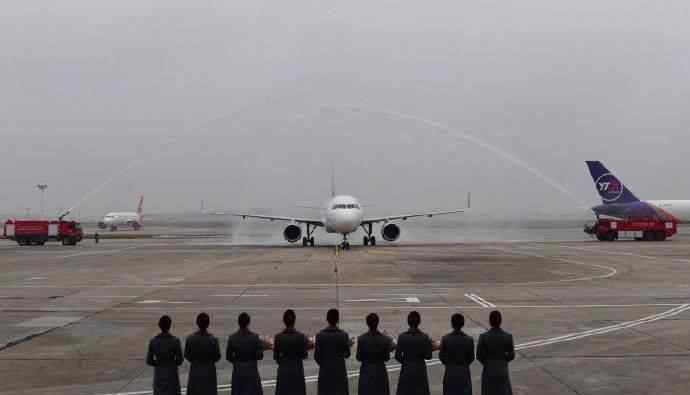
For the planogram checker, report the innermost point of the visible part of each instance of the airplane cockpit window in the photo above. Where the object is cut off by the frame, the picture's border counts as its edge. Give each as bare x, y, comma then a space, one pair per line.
345, 206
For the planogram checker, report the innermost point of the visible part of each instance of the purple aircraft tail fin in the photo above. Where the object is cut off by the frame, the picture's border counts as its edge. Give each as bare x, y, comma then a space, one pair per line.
609, 187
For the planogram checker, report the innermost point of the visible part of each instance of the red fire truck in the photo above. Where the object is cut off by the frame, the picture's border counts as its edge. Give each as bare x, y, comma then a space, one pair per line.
37, 232
642, 228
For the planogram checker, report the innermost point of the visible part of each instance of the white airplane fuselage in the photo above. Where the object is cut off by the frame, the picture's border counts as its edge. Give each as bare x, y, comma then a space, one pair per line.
678, 209
342, 214
121, 219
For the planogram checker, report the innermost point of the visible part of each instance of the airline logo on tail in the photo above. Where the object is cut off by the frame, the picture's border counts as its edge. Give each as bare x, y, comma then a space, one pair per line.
609, 187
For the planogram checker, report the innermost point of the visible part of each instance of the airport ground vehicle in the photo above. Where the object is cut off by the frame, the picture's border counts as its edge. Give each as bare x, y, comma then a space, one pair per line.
640, 228
38, 232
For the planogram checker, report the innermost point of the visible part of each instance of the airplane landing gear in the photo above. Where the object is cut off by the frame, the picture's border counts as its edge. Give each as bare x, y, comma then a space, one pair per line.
308, 240
369, 239
345, 245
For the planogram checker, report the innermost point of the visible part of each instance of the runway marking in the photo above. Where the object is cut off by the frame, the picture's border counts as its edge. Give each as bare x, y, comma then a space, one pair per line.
405, 300
611, 271
85, 253
240, 296
409, 294
164, 301
519, 347
36, 278
655, 258
479, 300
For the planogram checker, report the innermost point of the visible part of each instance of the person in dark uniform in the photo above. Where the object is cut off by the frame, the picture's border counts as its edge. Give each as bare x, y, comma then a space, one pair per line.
495, 349
243, 351
414, 347
457, 353
373, 351
96, 237
290, 348
165, 355
331, 349
202, 351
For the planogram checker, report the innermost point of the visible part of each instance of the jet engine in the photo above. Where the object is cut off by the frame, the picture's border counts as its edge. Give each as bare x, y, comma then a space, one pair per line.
292, 233
390, 232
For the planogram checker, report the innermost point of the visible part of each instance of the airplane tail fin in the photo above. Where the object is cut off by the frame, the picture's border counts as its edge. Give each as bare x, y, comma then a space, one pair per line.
609, 187
140, 207
332, 180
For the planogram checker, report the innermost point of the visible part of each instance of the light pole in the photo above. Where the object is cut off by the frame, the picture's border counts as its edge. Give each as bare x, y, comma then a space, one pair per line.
42, 188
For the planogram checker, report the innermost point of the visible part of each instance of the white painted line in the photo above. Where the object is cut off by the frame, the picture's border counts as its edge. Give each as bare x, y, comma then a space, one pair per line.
36, 278
487, 303
96, 252
405, 300
239, 295
476, 299
149, 301
524, 346
610, 271
408, 294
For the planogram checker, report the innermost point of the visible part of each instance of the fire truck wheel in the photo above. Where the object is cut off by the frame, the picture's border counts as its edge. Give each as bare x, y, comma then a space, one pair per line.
661, 236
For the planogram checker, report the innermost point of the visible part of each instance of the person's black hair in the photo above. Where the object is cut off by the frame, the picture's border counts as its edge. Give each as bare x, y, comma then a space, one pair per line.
203, 321
289, 318
243, 320
372, 321
333, 316
457, 321
495, 319
165, 323
414, 319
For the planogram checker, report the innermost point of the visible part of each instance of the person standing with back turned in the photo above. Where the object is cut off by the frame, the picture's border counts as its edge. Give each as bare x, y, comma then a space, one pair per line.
414, 348
290, 348
495, 349
331, 349
243, 351
457, 353
373, 351
165, 355
202, 351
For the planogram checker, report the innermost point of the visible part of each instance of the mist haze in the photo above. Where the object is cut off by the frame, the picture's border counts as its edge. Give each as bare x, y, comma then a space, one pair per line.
245, 105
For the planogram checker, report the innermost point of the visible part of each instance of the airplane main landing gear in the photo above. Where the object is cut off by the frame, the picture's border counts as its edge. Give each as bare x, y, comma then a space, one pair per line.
369, 239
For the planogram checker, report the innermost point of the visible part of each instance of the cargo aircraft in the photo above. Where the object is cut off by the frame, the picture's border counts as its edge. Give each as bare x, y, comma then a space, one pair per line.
342, 214
619, 203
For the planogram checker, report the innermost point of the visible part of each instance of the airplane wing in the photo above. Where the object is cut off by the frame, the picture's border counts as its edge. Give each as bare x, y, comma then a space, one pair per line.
310, 221
367, 221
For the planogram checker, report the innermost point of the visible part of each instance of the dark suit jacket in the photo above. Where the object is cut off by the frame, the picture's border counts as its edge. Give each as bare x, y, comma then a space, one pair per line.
243, 351
414, 348
495, 349
457, 353
373, 351
165, 355
202, 351
290, 347
331, 350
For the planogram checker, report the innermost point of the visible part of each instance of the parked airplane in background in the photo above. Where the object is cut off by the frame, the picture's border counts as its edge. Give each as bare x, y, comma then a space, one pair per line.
620, 203
113, 221
342, 214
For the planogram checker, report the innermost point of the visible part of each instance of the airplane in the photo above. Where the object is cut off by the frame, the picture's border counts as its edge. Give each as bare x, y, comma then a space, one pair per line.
619, 202
341, 214
124, 219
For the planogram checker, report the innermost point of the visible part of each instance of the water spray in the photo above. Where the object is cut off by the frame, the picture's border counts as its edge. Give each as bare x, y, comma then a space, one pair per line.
472, 139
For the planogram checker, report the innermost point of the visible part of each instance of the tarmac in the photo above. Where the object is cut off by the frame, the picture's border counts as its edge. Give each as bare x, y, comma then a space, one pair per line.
588, 317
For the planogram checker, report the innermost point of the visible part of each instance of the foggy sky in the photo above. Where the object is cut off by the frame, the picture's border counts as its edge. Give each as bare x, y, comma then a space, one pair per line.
245, 104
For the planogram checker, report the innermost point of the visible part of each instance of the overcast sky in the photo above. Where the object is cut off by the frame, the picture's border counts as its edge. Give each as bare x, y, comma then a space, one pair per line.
245, 104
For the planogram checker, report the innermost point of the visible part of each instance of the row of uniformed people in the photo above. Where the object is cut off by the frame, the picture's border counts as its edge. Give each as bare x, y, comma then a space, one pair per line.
331, 346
